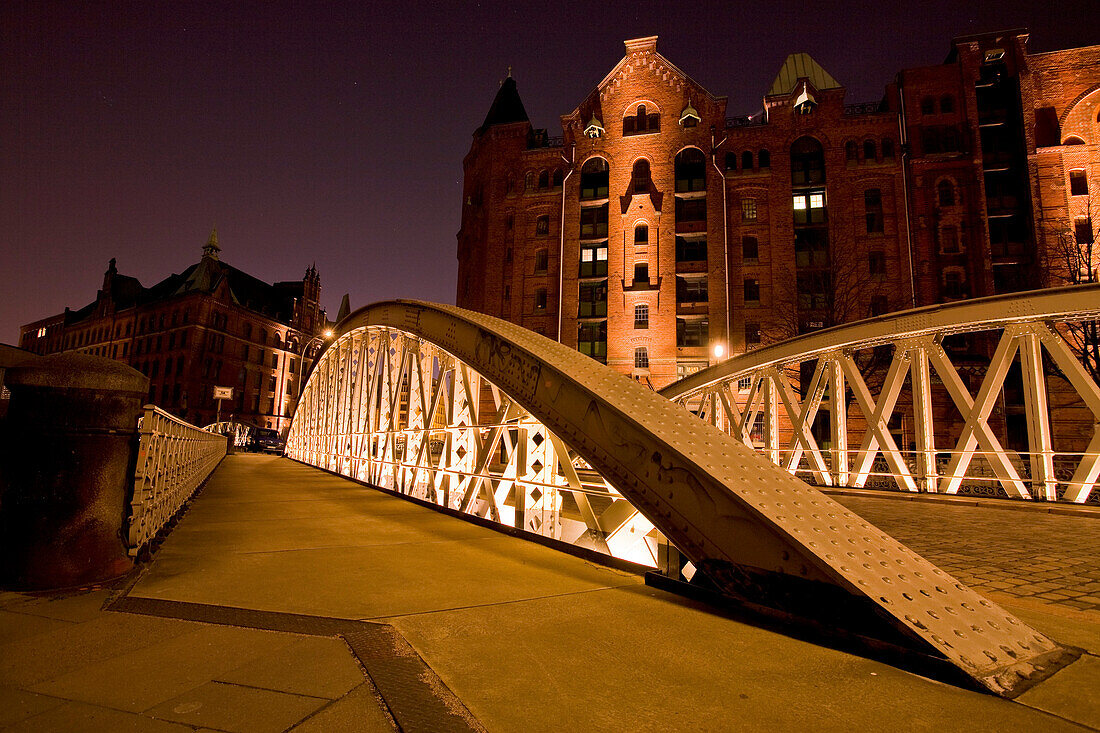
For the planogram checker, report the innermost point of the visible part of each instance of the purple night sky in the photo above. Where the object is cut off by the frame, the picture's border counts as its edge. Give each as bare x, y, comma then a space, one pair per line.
334, 132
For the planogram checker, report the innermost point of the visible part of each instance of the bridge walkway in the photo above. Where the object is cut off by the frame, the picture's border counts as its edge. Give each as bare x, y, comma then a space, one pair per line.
282, 584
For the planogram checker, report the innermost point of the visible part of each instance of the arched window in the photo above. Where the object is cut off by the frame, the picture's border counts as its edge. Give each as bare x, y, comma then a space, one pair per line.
851, 151
594, 179
544, 179
642, 121
1073, 140
807, 162
869, 151
927, 106
731, 161
691, 170
641, 358
641, 235
887, 148
765, 159
945, 193
947, 103
529, 181
639, 176
746, 161
641, 316
557, 178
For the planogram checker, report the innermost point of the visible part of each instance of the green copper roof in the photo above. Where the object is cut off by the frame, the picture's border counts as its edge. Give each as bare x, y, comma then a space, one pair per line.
801, 66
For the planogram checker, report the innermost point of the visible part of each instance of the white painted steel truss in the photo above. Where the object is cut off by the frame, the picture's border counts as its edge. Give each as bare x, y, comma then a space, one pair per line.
393, 410
489, 419
951, 432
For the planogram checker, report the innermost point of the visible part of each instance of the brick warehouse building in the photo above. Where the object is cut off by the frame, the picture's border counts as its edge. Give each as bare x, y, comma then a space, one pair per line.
211, 325
658, 234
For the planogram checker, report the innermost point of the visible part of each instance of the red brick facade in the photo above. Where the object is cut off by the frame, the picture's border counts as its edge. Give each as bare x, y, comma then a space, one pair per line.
808, 214
211, 325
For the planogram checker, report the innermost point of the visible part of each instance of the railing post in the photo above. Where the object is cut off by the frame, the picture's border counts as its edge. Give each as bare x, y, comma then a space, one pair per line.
1043, 483
67, 448
923, 428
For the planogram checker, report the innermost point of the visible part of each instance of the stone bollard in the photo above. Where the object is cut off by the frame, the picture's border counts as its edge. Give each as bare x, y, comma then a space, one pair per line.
67, 451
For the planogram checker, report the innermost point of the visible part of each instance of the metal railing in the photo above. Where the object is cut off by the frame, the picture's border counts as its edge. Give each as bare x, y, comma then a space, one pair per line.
174, 458
904, 384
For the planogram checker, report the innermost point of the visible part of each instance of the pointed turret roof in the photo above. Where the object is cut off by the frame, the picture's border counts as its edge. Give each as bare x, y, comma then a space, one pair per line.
211, 248
507, 107
801, 66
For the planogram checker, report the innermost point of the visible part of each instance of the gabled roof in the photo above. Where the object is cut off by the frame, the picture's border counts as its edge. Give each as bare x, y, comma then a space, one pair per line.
801, 66
507, 107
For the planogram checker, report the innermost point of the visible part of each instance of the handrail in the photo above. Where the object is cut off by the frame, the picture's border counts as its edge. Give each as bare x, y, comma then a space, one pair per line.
174, 458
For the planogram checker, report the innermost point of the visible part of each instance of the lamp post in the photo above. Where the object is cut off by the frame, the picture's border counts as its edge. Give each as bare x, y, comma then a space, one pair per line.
323, 338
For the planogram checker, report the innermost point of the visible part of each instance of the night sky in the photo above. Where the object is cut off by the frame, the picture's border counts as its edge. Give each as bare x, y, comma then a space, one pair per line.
334, 132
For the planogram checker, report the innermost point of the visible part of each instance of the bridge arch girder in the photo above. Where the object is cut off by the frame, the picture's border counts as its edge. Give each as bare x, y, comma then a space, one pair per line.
755, 530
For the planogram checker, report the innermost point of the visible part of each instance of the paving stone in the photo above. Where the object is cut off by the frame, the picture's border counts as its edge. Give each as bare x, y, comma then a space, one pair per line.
236, 708
142, 678
76, 606
359, 710
318, 667
1071, 693
15, 626
17, 705
78, 717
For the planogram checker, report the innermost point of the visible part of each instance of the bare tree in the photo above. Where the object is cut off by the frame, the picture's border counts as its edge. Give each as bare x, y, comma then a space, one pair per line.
1070, 257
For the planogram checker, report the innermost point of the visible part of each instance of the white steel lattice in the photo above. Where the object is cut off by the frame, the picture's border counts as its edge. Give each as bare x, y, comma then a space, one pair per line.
488, 418
174, 458
901, 377
395, 411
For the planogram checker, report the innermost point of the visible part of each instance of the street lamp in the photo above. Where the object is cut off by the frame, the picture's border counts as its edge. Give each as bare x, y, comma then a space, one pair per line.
719, 351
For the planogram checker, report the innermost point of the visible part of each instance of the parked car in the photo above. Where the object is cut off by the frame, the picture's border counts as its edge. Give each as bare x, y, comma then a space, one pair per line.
266, 440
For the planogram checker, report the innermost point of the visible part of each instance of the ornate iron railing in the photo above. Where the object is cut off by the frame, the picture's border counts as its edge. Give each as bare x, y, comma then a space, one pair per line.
909, 418
174, 458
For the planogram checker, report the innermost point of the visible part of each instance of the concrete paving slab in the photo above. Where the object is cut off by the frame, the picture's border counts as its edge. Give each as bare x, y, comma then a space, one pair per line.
140, 679
29, 661
78, 717
75, 606
15, 626
641, 659
17, 705
1071, 693
240, 709
316, 666
359, 711
369, 582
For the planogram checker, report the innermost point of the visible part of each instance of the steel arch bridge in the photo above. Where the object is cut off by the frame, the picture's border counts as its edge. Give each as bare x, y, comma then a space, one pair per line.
485, 417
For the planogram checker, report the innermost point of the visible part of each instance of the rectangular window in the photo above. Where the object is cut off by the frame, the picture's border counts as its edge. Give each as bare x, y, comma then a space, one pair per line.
641, 358
692, 332
542, 226
691, 209
291, 367
594, 260
809, 208
641, 316
750, 248
1078, 183
949, 240
692, 249
752, 290
542, 260
872, 204
748, 209
641, 272
811, 248
592, 339
540, 299
1082, 230
594, 222
507, 292
752, 335
593, 299
691, 289
876, 263
744, 384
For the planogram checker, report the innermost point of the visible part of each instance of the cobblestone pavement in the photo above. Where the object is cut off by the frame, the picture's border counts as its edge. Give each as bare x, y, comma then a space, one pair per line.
1026, 554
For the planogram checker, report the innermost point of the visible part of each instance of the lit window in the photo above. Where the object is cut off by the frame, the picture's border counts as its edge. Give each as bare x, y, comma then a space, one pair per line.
817, 200
748, 209
41, 332
594, 261
799, 203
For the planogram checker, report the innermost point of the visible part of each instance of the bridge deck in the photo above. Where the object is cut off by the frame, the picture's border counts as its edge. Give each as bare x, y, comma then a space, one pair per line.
237, 625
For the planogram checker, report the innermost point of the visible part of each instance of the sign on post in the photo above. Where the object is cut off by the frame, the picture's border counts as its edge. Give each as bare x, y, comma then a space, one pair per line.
222, 393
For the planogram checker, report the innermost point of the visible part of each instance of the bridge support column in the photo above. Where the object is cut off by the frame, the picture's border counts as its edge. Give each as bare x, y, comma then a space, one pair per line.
67, 451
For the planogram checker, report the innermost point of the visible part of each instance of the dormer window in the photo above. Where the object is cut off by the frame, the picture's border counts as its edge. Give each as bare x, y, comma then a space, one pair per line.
805, 102
690, 116
994, 54
641, 122
594, 128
